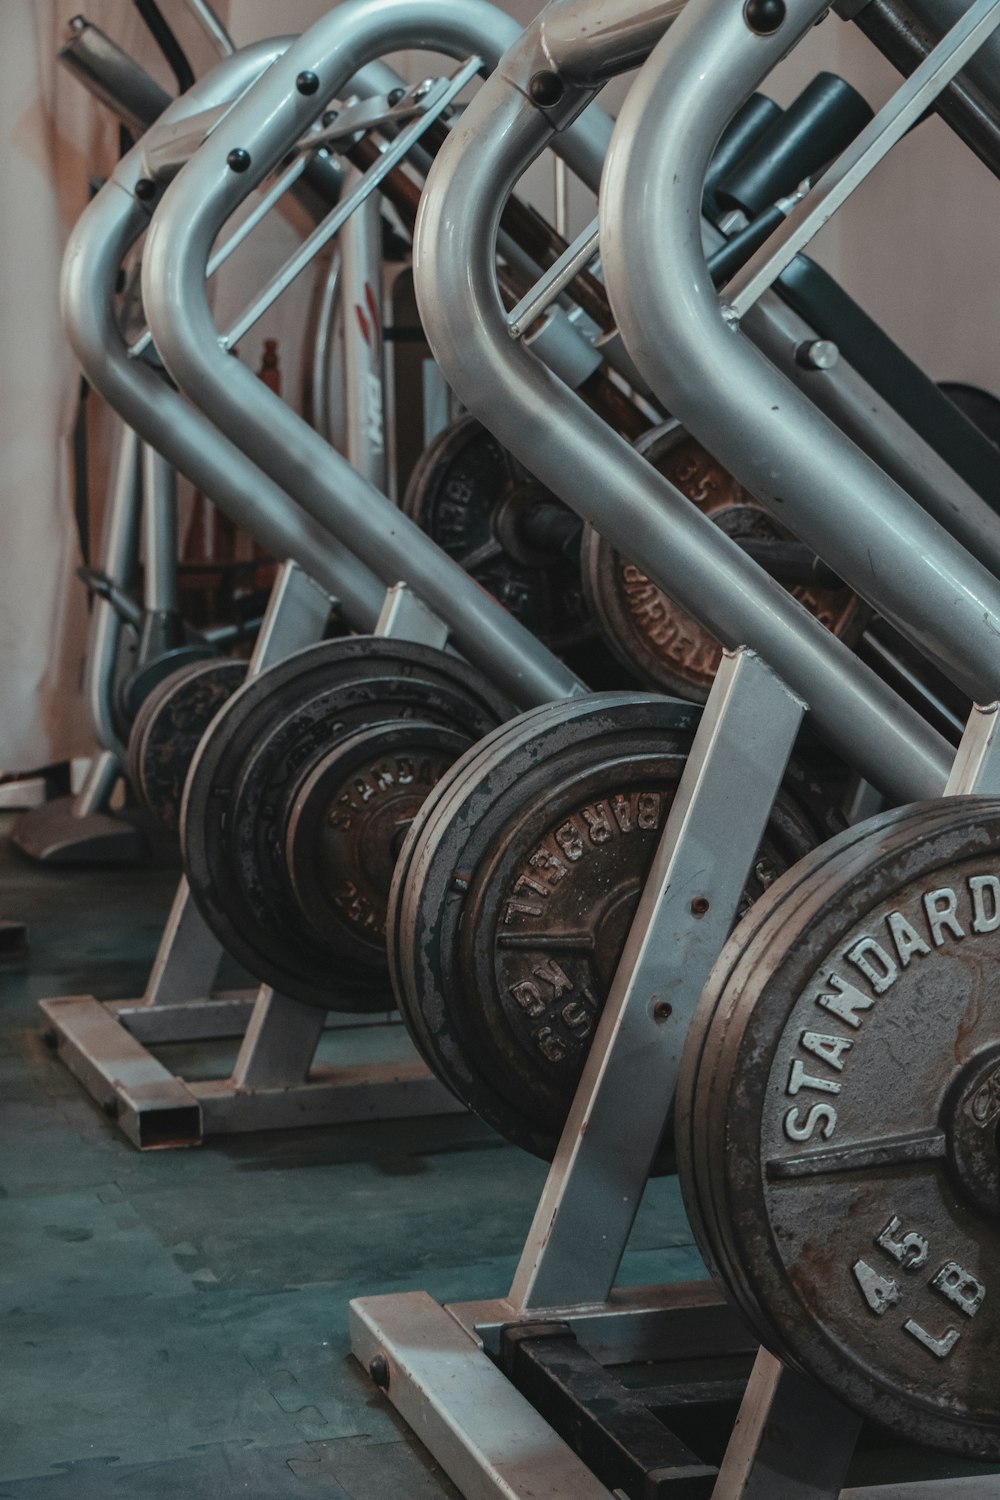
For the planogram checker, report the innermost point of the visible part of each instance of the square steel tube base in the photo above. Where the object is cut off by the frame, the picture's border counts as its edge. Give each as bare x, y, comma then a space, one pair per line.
104, 1044
433, 1363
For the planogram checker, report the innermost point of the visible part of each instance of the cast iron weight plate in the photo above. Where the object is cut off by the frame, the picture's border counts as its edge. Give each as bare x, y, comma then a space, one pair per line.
474, 499
516, 886
651, 634
348, 735
168, 727
840, 1153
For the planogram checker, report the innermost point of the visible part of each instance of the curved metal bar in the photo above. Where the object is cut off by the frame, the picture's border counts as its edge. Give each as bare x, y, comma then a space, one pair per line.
729, 395
598, 473
265, 125
106, 230
119, 544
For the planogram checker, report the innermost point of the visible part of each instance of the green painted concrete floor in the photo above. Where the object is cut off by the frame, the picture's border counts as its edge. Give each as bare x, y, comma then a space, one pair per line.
175, 1323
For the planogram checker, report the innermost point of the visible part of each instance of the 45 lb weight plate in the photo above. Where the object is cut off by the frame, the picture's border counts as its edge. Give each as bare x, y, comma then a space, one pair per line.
839, 1120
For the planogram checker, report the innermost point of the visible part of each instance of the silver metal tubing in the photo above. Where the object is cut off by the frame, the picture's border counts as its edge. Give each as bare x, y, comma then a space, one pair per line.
213, 26
361, 294
118, 551
364, 185
112, 76
159, 513
767, 433
107, 229
574, 258
599, 474
266, 124
861, 413
587, 45
906, 106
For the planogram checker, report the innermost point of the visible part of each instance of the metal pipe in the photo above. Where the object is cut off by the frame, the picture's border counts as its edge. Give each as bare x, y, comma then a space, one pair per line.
106, 230
160, 534
905, 41
600, 475
112, 76
361, 293
765, 431
905, 108
213, 26
118, 550
265, 125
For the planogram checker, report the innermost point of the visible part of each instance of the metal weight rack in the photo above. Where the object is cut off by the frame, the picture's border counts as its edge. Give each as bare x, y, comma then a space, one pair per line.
448, 1369
107, 1045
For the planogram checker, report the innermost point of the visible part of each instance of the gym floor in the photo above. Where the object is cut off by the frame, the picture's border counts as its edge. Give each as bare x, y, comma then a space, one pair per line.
176, 1321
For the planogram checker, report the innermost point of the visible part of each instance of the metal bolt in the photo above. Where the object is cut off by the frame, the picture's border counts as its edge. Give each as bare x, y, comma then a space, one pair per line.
307, 83
764, 16
422, 89
817, 354
546, 89
699, 906
378, 1369
145, 189
394, 96
662, 1011
238, 160
329, 117
77, 23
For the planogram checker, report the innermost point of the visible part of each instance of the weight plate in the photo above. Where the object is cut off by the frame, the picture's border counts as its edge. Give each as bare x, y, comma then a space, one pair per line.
305, 784
136, 686
706, 1045
651, 634
168, 727
516, 887
853, 1122
477, 502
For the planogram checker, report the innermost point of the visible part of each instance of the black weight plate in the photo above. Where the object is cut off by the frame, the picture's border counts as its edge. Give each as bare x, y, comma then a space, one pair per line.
348, 821
706, 1046
651, 634
471, 496
246, 788
168, 727
516, 887
854, 1123
136, 686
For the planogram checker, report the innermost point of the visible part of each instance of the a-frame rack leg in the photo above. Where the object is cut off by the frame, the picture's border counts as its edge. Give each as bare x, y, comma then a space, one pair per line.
273, 1084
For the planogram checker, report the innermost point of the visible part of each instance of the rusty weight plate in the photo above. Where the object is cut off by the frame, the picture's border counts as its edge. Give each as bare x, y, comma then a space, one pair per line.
516, 886
299, 797
651, 634
843, 1122
475, 500
167, 729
